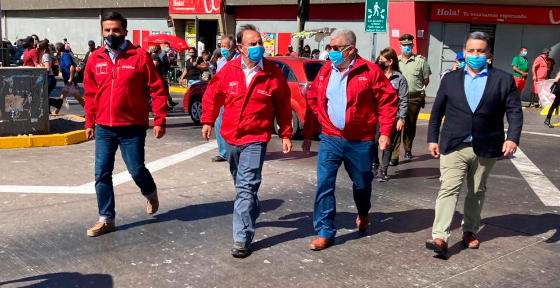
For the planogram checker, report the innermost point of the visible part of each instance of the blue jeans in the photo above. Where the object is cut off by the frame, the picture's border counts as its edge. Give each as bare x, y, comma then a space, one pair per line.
131, 140
221, 141
358, 158
245, 165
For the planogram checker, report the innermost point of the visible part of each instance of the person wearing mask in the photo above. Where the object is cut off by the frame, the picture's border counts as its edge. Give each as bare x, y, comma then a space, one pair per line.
520, 66
116, 76
30, 55
416, 70
306, 53
347, 83
325, 54
229, 52
201, 46
474, 102
166, 66
540, 73
389, 63
171, 54
315, 54
555, 89
47, 63
193, 68
35, 41
67, 67
207, 74
459, 64
291, 52
67, 46
91, 48
255, 92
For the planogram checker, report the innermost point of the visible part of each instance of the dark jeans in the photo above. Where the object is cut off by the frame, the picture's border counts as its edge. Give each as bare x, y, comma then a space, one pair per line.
56, 103
554, 106
386, 154
358, 158
131, 140
245, 165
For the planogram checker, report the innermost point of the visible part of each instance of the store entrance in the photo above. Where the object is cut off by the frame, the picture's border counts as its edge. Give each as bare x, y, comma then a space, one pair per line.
209, 30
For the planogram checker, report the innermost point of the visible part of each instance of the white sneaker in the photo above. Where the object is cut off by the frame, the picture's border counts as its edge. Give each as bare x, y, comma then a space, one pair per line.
65, 102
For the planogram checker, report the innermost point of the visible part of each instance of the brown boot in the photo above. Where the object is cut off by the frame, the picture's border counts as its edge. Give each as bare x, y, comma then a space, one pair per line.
470, 241
152, 205
100, 228
362, 222
320, 244
437, 245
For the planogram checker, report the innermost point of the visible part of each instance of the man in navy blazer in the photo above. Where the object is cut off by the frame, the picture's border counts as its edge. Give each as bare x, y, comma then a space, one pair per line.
473, 100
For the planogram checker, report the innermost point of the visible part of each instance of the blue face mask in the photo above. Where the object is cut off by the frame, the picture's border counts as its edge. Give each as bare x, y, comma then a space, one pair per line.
406, 49
225, 52
462, 64
524, 53
255, 53
167, 49
476, 62
336, 57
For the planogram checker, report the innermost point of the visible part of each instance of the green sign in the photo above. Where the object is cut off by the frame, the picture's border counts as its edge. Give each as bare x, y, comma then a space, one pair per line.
376, 16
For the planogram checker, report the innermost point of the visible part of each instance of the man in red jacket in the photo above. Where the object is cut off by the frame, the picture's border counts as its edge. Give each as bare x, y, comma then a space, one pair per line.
348, 97
253, 92
119, 80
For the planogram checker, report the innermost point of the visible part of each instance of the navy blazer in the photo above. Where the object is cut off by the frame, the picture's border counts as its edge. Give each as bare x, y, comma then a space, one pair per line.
486, 124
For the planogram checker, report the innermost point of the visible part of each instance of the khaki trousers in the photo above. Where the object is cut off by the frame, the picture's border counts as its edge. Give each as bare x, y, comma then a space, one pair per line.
409, 130
454, 166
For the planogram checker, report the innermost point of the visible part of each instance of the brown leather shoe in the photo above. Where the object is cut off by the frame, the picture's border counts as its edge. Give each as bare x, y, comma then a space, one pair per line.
437, 245
152, 205
100, 228
320, 244
470, 241
362, 222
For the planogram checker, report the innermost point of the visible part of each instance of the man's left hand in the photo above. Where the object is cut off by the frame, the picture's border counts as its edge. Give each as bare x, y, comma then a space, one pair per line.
286, 145
159, 131
400, 125
384, 142
509, 148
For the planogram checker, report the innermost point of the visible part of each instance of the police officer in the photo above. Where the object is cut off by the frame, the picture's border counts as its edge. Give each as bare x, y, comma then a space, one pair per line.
416, 70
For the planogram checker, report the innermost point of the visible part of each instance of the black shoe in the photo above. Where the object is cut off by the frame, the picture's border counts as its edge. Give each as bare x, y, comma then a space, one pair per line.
374, 170
169, 107
537, 105
394, 162
382, 176
218, 159
408, 155
240, 250
172, 103
547, 123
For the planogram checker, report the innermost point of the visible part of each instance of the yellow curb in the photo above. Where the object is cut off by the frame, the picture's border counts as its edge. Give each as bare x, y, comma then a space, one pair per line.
424, 116
177, 89
545, 109
556, 124
64, 139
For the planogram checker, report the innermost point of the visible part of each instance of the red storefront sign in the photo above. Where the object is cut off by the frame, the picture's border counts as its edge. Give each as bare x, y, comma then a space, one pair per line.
195, 7
495, 14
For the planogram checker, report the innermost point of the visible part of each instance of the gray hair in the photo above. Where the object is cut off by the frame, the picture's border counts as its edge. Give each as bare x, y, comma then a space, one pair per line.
346, 35
232, 41
478, 35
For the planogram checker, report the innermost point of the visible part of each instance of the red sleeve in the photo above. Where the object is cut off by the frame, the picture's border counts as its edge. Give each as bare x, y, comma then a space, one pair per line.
35, 56
311, 123
283, 106
90, 89
213, 99
387, 101
156, 90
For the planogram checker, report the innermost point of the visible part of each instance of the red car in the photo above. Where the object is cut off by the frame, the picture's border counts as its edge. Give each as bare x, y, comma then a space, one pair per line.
299, 73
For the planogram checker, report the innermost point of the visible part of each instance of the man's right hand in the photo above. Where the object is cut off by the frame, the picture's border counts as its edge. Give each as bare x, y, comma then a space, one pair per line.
306, 145
206, 131
90, 133
434, 149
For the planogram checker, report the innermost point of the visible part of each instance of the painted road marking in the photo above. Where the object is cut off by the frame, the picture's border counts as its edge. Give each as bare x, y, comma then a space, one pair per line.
119, 178
547, 192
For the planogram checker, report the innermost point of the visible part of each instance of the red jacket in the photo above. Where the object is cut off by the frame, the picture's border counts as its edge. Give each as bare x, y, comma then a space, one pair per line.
118, 94
249, 112
370, 98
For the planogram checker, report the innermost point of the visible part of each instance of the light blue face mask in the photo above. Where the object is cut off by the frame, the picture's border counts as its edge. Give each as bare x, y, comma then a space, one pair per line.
524, 53
255, 53
406, 49
462, 64
225, 52
476, 62
336, 57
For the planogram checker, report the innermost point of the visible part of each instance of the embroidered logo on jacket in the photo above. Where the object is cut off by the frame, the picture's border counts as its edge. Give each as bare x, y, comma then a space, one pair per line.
101, 68
233, 87
263, 92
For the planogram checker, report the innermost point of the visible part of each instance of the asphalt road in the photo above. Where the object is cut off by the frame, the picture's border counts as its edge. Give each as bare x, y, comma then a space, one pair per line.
186, 244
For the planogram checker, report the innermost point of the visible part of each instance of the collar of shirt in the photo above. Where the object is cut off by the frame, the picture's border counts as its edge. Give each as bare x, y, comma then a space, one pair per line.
483, 72
121, 48
247, 69
412, 57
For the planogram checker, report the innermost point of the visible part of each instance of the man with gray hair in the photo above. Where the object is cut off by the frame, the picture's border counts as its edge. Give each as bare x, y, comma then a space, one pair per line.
473, 101
229, 52
349, 96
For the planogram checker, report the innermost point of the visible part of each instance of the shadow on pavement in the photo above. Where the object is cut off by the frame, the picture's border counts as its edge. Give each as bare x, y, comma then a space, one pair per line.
65, 279
200, 211
294, 155
424, 172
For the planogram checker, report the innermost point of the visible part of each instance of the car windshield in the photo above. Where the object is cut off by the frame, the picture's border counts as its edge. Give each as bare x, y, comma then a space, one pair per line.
312, 69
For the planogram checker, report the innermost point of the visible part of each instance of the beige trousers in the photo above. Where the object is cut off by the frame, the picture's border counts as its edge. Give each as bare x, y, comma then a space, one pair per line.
454, 166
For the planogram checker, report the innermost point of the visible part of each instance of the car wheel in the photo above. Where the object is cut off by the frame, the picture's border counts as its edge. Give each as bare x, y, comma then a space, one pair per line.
195, 109
296, 125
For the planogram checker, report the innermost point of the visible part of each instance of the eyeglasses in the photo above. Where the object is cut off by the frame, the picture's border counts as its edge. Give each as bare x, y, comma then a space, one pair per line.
339, 47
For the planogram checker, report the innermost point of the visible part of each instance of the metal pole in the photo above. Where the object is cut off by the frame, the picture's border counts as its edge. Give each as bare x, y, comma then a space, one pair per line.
196, 24
373, 46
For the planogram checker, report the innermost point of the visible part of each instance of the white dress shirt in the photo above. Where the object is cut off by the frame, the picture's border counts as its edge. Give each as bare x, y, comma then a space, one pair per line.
250, 72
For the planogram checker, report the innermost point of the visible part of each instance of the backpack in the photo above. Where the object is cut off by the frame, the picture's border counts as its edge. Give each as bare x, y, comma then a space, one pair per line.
79, 67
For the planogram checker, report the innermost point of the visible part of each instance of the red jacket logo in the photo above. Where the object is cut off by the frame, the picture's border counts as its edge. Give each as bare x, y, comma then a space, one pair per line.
101, 68
233, 87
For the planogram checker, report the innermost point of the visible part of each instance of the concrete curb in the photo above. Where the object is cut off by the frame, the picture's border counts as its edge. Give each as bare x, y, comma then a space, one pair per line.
177, 89
50, 140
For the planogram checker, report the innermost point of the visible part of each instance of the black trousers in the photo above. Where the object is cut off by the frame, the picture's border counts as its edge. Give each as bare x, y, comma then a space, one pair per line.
385, 154
554, 106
